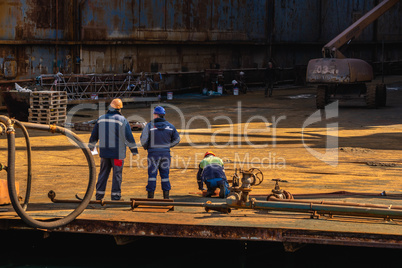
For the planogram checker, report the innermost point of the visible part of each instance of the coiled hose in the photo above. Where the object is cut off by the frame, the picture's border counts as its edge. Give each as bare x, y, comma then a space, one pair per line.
11, 174
29, 162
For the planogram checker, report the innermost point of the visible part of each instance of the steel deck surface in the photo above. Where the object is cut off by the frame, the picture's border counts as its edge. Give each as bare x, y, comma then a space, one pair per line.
241, 224
369, 160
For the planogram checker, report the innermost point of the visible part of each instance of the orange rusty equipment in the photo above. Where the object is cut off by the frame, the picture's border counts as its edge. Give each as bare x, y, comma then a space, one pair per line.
338, 77
4, 197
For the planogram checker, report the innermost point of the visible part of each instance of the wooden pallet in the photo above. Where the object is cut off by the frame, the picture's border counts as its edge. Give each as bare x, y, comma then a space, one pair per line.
48, 99
48, 120
48, 115
40, 104
48, 94
47, 112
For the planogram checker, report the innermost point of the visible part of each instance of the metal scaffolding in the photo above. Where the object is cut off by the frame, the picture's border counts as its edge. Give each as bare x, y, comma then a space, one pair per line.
130, 87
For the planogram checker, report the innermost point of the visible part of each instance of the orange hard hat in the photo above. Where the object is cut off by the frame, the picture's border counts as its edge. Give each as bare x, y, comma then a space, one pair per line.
209, 153
116, 103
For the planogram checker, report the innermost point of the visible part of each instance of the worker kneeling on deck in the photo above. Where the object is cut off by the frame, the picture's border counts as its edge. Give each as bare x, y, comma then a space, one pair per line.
212, 172
157, 138
114, 134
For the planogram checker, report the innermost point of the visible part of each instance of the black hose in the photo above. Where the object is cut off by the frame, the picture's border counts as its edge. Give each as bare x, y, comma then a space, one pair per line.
29, 162
11, 178
12, 191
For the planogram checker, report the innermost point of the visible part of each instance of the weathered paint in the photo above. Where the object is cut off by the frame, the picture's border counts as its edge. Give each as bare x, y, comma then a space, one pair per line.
37, 19
297, 21
176, 35
128, 229
167, 58
389, 25
36, 60
174, 20
338, 71
339, 15
165, 20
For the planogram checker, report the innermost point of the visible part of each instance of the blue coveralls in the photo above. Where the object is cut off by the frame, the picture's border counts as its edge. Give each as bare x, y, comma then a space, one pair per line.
114, 134
158, 137
212, 172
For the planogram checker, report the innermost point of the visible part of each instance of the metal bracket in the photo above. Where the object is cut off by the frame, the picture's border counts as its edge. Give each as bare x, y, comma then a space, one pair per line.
314, 215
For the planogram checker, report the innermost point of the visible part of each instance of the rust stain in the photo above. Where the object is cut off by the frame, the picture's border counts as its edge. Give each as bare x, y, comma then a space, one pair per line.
233, 233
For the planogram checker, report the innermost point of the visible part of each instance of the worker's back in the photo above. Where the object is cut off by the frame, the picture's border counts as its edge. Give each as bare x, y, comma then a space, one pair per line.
212, 168
114, 133
159, 136
211, 160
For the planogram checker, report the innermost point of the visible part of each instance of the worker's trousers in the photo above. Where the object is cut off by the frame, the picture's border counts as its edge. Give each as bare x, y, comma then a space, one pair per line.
212, 184
107, 164
269, 87
158, 161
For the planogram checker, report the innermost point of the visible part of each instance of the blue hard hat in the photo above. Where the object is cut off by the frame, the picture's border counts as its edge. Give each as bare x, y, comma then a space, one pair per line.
159, 110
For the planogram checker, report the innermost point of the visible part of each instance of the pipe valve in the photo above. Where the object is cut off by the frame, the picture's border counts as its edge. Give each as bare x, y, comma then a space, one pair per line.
3, 129
241, 186
278, 192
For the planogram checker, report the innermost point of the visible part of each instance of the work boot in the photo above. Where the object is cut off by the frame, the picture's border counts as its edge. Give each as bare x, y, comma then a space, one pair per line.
210, 192
222, 191
165, 194
151, 194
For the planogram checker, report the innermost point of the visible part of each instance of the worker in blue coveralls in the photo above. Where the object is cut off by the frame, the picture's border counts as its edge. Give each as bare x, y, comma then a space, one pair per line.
212, 172
114, 134
157, 138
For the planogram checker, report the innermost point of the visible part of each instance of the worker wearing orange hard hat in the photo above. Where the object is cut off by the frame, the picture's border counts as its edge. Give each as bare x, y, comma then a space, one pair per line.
209, 153
116, 104
113, 132
211, 171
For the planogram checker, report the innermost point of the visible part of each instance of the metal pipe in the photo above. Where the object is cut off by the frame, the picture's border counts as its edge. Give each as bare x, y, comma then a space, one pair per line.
5, 120
328, 209
222, 207
52, 197
350, 209
336, 203
316, 208
340, 194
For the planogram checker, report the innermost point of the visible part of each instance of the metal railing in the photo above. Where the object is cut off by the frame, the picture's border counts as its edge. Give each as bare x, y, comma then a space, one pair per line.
80, 87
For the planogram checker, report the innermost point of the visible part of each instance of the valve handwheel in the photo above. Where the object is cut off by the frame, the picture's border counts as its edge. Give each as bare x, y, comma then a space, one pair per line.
258, 175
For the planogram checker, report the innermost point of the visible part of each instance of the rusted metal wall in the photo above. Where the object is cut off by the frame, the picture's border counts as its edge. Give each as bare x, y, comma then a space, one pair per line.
297, 21
46, 36
174, 20
301, 28
390, 26
35, 20
30, 31
322, 20
173, 58
338, 15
